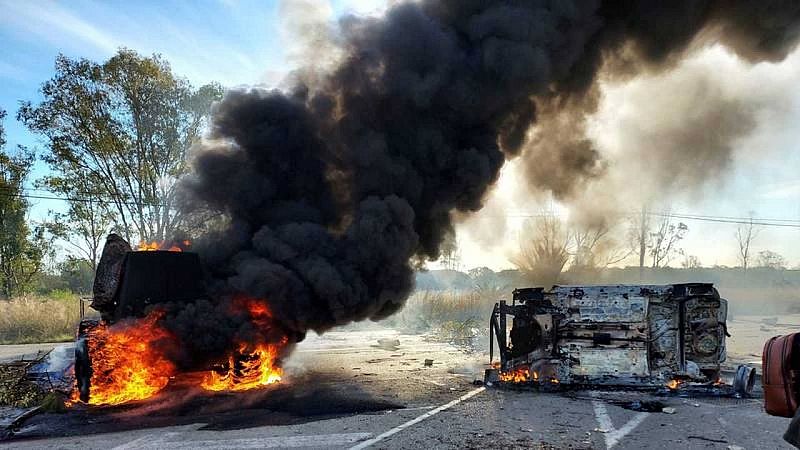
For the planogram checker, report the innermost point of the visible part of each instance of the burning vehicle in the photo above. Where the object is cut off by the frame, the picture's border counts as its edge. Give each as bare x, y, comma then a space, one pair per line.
130, 355
650, 336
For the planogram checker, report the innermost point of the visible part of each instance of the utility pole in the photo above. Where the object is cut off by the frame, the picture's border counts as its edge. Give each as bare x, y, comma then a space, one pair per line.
642, 241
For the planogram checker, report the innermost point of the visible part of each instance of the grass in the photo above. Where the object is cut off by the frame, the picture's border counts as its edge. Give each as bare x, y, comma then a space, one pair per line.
452, 316
33, 319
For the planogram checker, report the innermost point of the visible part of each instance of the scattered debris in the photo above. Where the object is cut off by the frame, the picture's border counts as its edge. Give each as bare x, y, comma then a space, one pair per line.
8, 430
703, 438
388, 344
668, 410
16, 387
644, 406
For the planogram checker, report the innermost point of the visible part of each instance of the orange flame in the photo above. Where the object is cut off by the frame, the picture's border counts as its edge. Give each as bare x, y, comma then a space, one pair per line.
128, 362
246, 369
519, 375
125, 362
249, 368
673, 384
163, 246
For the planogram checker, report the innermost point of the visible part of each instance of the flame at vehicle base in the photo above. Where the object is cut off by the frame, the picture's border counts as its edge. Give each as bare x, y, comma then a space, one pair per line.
129, 362
246, 370
520, 375
673, 384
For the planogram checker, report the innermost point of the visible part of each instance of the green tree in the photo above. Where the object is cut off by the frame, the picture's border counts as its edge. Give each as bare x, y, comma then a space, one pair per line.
85, 223
21, 251
118, 136
77, 274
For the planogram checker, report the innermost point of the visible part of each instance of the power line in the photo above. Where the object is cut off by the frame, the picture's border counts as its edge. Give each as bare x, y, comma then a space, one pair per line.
740, 219
754, 221
784, 223
765, 222
81, 200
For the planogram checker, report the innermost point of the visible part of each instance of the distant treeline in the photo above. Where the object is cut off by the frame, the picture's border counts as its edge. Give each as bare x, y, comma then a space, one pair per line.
759, 290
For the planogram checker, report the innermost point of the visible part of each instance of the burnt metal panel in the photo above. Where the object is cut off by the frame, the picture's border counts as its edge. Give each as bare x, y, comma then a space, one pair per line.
154, 277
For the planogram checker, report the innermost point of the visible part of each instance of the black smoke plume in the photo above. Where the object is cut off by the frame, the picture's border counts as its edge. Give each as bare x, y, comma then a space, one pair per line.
332, 191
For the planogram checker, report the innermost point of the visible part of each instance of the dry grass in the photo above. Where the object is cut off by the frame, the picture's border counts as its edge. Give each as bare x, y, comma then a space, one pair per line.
33, 319
773, 300
459, 317
426, 310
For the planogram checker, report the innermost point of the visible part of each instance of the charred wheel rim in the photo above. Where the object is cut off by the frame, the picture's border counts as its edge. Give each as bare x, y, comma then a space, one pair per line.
744, 380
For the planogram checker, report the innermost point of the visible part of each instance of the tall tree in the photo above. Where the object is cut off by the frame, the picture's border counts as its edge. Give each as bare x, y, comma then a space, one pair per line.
639, 237
450, 255
665, 241
120, 133
594, 246
544, 249
745, 235
771, 260
21, 252
85, 223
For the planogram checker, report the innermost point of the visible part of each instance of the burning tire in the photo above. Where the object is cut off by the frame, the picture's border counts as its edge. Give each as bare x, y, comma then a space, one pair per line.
83, 361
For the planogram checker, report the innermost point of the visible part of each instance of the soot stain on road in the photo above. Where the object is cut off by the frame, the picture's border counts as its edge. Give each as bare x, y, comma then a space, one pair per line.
307, 398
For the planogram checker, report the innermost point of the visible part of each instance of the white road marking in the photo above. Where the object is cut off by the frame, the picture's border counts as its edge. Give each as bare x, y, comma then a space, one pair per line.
417, 420
611, 434
436, 383
145, 440
321, 440
417, 408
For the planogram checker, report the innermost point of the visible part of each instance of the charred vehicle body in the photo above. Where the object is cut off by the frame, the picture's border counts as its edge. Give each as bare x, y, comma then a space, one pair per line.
137, 280
623, 336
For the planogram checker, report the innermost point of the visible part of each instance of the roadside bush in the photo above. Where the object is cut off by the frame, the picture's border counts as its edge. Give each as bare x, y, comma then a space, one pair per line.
452, 316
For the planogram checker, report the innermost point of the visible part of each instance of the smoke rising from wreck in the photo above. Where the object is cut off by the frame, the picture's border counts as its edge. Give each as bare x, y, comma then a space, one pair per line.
333, 190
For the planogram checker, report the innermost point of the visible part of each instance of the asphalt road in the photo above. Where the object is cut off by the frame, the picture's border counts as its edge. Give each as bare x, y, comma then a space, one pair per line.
345, 391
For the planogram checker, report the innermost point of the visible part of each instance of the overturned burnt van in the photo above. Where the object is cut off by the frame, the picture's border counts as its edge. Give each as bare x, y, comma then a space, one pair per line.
128, 283
623, 336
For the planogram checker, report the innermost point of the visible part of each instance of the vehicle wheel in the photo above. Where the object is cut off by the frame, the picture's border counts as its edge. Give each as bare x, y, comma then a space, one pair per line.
744, 380
83, 361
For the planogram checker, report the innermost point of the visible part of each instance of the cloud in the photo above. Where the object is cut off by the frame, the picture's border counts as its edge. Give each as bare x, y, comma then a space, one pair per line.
786, 190
54, 24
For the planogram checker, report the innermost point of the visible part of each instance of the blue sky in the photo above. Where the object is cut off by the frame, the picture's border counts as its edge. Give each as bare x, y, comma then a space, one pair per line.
241, 43
229, 41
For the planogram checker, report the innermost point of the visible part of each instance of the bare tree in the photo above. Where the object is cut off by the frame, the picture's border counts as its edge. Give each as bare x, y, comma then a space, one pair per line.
639, 237
771, 260
544, 249
665, 241
745, 235
690, 262
450, 255
593, 246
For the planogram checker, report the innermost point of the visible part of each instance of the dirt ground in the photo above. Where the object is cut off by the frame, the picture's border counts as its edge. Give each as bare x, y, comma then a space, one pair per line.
749, 333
